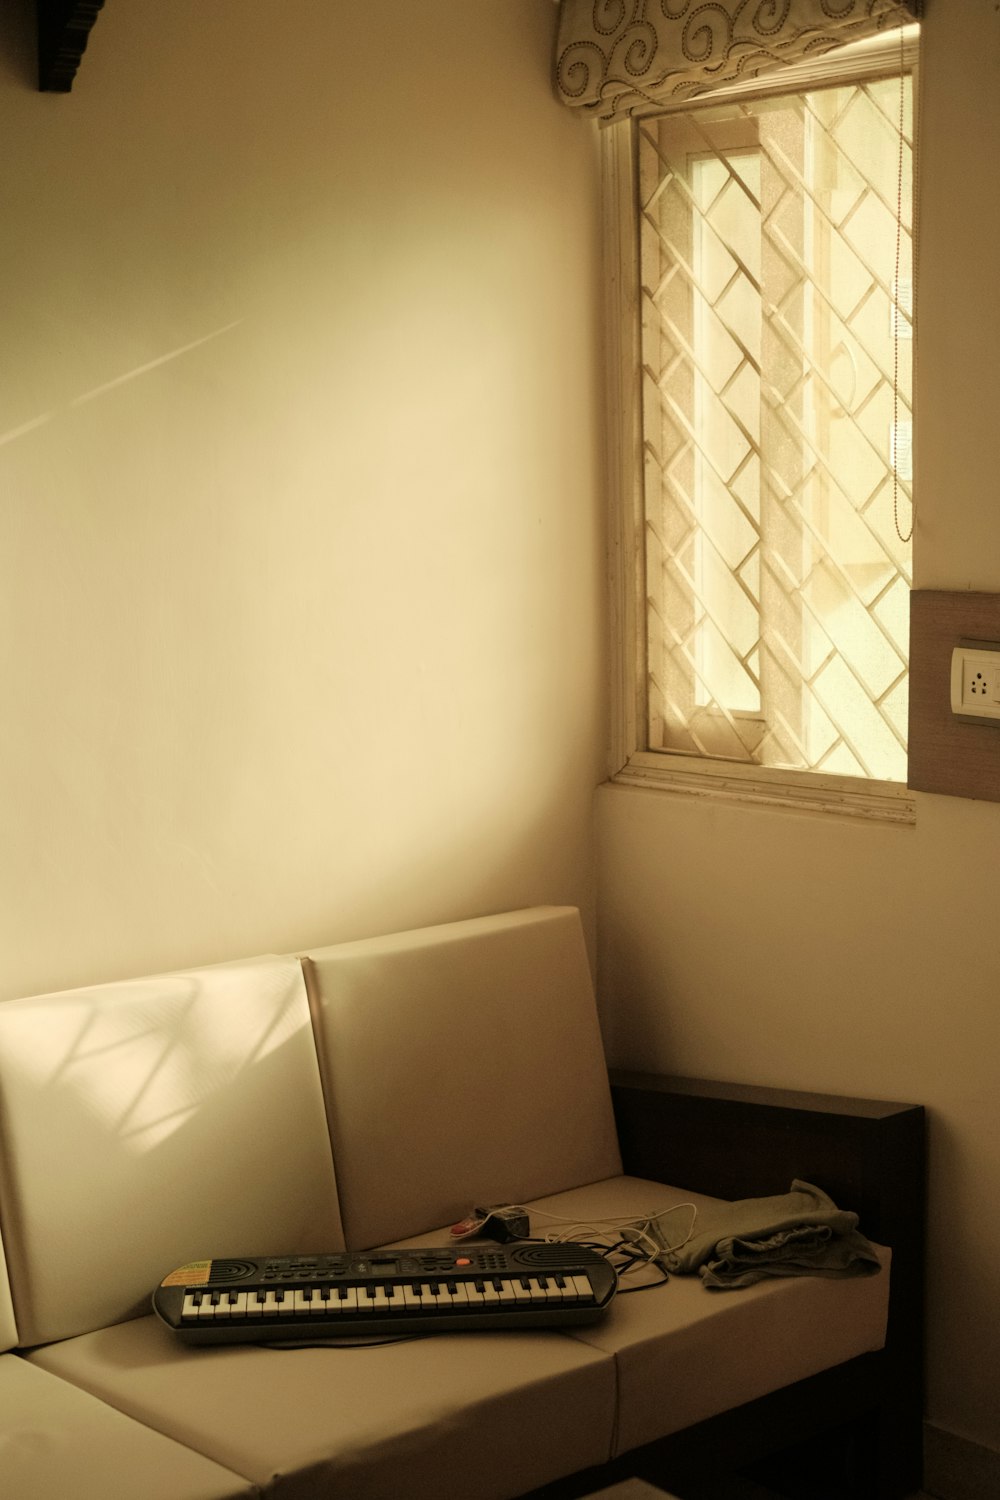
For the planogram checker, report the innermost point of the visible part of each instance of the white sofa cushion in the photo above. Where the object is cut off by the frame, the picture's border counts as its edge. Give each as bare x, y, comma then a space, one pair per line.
59, 1440
437, 1048
8, 1328
494, 1413
481, 1415
684, 1353
151, 1122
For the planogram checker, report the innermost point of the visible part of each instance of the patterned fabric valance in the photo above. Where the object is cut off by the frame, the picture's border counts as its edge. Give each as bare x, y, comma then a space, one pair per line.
614, 57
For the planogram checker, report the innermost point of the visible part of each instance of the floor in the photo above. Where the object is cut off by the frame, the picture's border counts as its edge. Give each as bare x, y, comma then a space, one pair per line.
638, 1489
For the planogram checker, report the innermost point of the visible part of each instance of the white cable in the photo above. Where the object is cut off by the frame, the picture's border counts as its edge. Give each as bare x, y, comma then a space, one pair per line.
641, 1230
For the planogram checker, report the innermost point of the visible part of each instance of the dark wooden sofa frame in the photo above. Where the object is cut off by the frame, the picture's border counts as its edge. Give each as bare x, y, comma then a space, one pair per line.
853, 1432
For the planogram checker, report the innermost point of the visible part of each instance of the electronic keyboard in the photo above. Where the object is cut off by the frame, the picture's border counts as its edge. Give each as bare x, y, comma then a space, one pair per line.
308, 1298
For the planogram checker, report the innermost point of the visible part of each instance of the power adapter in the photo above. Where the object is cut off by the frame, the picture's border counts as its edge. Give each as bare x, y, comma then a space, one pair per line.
500, 1221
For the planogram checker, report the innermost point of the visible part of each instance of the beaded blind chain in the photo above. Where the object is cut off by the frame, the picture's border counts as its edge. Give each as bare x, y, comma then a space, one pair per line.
896, 306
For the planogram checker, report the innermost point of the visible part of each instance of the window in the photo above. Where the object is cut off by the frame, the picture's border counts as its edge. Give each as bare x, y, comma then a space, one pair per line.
766, 557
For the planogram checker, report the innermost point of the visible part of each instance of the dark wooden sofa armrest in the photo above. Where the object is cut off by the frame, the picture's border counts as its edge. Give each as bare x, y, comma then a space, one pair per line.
737, 1141
734, 1140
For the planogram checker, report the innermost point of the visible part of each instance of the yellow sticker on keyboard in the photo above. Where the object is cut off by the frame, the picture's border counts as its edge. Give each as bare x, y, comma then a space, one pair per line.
196, 1273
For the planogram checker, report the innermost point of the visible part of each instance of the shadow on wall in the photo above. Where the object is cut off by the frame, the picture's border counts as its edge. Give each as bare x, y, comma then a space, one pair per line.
473, 858
18, 43
484, 863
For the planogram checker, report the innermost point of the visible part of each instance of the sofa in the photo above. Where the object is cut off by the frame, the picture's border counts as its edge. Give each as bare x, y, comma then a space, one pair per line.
369, 1094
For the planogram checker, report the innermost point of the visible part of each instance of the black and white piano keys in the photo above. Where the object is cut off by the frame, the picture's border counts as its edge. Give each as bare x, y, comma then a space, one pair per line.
520, 1285
429, 1296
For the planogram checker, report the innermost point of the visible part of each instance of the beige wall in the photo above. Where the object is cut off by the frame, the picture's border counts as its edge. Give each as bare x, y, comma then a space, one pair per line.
300, 533
806, 951
299, 565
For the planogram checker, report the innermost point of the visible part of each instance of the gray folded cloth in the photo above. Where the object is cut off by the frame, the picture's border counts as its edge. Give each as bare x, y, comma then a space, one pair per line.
799, 1233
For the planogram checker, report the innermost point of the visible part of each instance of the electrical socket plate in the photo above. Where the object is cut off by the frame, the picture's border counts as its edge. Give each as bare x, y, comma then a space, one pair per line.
975, 680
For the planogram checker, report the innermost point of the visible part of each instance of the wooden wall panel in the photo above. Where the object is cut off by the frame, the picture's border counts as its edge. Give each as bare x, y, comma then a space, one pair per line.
946, 754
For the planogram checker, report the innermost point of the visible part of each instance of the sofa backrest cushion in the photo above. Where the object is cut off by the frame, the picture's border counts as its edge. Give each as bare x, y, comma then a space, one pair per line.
463, 1064
152, 1122
8, 1328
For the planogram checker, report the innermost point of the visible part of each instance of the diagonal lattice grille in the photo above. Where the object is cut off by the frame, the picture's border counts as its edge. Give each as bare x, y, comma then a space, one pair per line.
776, 299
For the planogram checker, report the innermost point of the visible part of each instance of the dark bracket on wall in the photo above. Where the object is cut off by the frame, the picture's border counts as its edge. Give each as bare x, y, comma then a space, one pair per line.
64, 28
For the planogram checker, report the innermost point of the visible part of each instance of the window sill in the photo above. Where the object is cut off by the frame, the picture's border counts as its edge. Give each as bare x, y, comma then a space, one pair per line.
805, 791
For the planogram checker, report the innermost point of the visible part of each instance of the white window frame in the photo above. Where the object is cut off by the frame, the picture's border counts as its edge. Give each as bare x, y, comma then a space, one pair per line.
631, 762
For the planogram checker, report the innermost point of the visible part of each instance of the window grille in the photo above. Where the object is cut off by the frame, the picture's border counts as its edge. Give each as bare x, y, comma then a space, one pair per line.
776, 428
